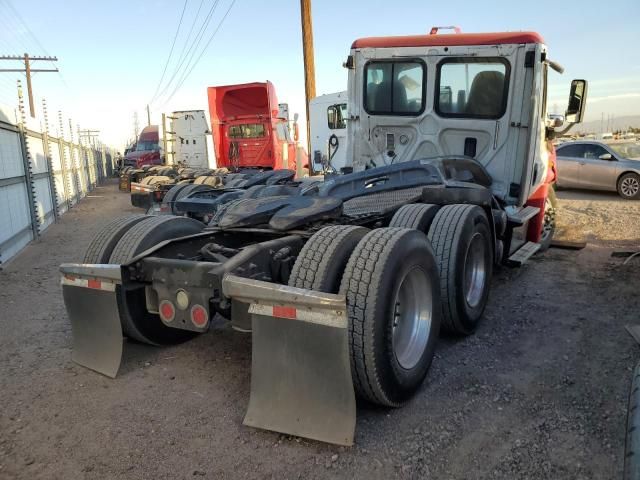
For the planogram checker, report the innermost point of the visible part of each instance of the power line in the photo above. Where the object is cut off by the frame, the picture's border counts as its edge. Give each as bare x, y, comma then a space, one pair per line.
34, 38
27, 70
193, 47
175, 37
184, 78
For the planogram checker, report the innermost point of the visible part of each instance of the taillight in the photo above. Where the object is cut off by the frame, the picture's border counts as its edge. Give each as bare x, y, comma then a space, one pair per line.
158, 195
199, 316
167, 311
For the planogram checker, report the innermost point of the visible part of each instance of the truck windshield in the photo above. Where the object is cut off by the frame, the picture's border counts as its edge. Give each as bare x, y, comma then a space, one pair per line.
146, 146
394, 88
248, 130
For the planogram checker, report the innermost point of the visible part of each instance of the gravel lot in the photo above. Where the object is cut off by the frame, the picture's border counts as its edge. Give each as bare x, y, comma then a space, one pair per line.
538, 392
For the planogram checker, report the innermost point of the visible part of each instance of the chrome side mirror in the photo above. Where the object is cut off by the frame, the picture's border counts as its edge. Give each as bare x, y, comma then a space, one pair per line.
606, 156
577, 101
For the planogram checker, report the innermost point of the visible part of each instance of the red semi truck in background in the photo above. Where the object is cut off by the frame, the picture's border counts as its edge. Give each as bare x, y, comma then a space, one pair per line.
147, 150
250, 129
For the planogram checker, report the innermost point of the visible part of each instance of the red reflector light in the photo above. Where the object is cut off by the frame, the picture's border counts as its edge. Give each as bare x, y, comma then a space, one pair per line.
167, 311
284, 312
159, 195
199, 316
93, 283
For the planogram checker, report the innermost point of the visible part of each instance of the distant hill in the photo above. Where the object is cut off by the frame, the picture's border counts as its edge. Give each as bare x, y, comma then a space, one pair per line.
618, 123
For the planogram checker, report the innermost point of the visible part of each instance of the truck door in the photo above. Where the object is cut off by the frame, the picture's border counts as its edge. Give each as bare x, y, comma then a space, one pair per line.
474, 98
336, 140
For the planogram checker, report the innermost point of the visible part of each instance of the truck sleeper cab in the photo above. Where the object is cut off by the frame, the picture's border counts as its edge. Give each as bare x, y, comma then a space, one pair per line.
345, 283
250, 129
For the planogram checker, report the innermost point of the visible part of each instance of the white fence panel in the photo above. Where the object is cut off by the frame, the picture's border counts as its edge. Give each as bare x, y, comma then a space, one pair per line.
44, 205
11, 164
34, 198
15, 219
38, 158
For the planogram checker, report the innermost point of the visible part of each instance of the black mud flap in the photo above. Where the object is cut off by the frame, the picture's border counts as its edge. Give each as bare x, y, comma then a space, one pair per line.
89, 293
300, 371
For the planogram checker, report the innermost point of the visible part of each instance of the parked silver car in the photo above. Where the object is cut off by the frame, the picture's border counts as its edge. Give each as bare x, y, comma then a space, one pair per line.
600, 166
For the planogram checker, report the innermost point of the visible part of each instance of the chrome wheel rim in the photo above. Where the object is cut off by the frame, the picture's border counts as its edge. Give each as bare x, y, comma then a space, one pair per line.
549, 220
630, 186
474, 271
412, 307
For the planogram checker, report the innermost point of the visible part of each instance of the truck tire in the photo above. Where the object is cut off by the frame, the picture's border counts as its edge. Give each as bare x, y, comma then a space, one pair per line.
100, 248
549, 222
323, 258
393, 305
632, 438
137, 323
462, 243
172, 194
417, 216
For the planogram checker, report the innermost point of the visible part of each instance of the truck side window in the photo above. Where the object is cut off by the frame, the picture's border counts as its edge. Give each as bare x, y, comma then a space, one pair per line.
481, 87
336, 116
394, 88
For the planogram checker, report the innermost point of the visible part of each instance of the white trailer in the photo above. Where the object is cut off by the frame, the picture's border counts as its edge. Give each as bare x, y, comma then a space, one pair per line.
189, 130
328, 124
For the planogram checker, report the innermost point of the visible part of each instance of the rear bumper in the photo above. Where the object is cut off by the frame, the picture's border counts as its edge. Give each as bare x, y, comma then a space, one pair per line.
141, 195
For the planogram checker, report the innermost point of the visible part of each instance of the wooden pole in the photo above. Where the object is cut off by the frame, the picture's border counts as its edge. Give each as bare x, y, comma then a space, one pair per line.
164, 139
309, 64
27, 69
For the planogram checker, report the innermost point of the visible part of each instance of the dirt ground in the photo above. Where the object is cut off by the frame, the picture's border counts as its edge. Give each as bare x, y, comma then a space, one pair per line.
538, 392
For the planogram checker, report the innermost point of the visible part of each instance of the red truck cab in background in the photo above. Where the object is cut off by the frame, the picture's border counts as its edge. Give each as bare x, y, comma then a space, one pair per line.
249, 129
147, 151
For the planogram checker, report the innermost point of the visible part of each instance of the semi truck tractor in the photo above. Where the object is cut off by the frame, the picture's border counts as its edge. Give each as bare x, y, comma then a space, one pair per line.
344, 284
250, 129
147, 149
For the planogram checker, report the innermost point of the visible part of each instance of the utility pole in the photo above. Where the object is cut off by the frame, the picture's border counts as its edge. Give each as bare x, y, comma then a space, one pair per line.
309, 64
148, 116
164, 139
28, 71
89, 135
136, 126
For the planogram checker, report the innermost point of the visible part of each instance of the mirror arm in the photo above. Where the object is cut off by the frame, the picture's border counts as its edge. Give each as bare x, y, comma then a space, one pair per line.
555, 66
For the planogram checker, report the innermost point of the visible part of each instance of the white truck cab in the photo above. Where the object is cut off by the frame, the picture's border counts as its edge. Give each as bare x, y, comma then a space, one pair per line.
189, 133
328, 116
478, 95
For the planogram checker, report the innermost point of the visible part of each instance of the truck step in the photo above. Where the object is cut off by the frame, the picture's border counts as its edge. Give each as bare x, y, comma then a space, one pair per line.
523, 254
523, 215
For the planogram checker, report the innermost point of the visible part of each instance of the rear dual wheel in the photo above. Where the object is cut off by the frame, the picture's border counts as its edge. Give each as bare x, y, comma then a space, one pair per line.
462, 242
389, 277
137, 322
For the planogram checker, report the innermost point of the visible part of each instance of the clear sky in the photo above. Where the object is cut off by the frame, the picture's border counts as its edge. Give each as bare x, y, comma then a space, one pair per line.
112, 53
